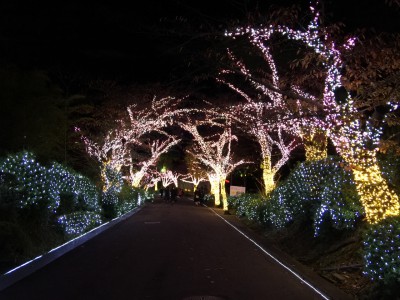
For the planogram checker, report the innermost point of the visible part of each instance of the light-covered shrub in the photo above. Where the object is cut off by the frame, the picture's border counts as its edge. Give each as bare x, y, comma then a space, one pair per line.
77, 223
322, 191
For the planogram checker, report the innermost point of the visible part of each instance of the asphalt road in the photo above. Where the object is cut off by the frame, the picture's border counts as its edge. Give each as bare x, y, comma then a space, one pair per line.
165, 251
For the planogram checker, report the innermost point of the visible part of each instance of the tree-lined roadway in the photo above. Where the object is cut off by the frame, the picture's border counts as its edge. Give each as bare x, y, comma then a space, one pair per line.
169, 251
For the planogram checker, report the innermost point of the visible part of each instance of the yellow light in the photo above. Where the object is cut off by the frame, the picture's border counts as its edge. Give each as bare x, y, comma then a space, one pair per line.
268, 175
223, 194
214, 182
378, 200
315, 143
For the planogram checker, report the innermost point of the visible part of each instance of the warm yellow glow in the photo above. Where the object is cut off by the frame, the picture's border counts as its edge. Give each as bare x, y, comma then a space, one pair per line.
268, 175
269, 183
223, 194
103, 174
214, 182
378, 200
137, 178
315, 143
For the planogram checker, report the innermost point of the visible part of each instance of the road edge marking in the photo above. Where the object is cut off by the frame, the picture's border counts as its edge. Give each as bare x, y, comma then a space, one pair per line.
271, 256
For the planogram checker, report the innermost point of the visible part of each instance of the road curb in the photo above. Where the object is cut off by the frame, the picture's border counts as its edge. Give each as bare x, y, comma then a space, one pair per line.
39, 262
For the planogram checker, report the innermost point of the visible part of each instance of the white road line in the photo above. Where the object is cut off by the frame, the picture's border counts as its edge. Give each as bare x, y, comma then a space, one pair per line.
271, 256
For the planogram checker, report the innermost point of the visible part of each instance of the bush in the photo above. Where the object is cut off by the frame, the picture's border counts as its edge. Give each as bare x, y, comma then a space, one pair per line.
282, 207
127, 199
321, 191
382, 251
390, 166
87, 194
36, 183
32, 179
77, 223
68, 202
209, 198
31, 198
249, 205
109, 204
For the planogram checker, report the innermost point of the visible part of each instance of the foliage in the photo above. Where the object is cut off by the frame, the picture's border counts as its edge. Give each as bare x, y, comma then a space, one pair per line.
112, 179
322, 191
248, 205
116, 202
128, 199
36, 183
42, 206
31, 179
209, 198
390, 167
109, 203
79, 222
382, 252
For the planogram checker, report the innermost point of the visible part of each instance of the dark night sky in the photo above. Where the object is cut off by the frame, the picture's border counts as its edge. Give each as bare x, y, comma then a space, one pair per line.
122, 41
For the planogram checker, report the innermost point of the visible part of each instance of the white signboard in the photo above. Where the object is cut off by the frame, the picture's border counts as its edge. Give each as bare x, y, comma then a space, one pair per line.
236, 190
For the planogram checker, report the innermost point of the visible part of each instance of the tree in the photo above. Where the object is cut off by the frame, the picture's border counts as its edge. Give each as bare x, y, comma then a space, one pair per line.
265, 115
274, 138
352, 132
196, 172
213, 150
138, 141
156, 148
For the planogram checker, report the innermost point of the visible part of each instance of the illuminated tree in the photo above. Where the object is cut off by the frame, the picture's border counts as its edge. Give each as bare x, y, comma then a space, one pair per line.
151, 179
124, 146
213, 150
269, 122
156, 149
352, 133
169, 177
273, 138
110, 153
196, 172
279, 109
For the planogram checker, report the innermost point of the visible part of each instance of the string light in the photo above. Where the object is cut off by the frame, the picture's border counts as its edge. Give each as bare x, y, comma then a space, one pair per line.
339, 121
40, 184
193, 179
116, 149
169, 177
264, 121
214, 152
78, 223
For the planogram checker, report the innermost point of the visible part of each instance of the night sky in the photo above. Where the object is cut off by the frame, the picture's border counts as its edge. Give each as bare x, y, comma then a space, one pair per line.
127, 42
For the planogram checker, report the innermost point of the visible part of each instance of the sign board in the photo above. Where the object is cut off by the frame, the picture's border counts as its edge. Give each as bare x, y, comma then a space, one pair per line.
236, 190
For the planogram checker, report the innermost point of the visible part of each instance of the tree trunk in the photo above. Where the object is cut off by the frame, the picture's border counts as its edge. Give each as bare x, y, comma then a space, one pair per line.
378, 200
223, 193
214, 182
268, 175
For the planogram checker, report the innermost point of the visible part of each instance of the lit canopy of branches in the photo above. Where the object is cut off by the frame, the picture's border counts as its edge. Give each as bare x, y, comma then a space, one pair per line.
214, 151
353, 134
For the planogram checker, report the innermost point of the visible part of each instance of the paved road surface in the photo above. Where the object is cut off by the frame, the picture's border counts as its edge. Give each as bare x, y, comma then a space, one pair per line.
164, 251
